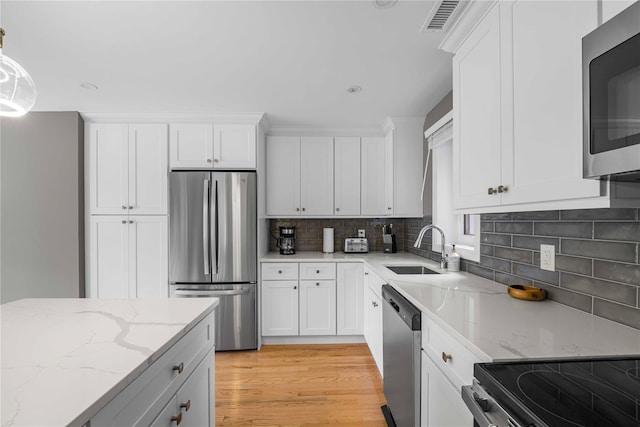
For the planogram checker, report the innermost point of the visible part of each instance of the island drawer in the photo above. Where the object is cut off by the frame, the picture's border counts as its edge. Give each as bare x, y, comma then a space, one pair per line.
318, 270
141, 401
450, 355
280, 271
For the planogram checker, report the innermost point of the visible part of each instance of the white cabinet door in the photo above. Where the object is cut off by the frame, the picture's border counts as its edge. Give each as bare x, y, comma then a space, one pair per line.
477, 76
316, 176
541, 153
234, 146
283, 175
373, 325
349, 297
389, 181
108, 170
374, 178
148, 257
347, 176
195, 395
147, 154
191, 145
109, 258
442, 404
279, 308
317, 307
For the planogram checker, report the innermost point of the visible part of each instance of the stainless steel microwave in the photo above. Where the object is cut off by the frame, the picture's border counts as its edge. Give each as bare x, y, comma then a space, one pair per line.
611, 98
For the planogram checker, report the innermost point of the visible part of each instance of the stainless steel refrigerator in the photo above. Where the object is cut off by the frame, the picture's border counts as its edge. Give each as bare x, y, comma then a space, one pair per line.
213, 248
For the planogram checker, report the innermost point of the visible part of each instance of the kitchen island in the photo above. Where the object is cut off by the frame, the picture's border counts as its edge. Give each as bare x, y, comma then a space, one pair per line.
111, 362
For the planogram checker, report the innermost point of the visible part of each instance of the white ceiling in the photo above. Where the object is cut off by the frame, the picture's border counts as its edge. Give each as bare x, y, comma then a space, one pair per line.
293, 60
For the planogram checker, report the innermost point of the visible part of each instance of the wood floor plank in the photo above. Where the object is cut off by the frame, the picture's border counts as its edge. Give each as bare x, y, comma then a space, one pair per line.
299, 385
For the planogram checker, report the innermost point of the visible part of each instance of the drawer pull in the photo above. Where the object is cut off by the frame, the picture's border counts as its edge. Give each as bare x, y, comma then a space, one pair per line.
186, 405
373, 303
317, 271
177, 419
180, 367
317, 284
446, 357
279, 271
295, 287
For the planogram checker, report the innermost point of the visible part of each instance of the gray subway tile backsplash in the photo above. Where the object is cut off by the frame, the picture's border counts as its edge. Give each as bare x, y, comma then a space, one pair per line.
597, 257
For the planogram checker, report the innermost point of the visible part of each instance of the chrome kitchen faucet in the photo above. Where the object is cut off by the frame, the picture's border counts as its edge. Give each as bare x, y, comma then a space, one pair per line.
443, 258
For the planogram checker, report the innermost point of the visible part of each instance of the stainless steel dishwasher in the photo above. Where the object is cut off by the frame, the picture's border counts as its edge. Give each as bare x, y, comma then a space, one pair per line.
401, 343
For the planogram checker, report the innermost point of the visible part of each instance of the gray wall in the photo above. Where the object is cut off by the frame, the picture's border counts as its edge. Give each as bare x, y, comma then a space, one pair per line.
42, 206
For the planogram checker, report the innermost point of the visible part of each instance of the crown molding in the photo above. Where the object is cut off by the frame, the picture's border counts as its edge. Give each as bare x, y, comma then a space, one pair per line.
130, 117
323, 131
468, 18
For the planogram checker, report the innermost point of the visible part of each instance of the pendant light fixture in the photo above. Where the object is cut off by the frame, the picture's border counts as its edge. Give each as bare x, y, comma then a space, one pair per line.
17, 89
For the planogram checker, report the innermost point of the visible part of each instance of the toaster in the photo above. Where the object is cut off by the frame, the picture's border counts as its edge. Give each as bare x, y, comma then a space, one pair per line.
356, 245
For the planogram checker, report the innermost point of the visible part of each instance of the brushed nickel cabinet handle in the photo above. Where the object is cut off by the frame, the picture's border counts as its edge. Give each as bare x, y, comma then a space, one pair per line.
446, 357
186, 405
502, 189
491, 191
179, 367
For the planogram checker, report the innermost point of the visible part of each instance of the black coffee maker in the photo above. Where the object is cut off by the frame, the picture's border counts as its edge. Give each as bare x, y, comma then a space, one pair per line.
287, 240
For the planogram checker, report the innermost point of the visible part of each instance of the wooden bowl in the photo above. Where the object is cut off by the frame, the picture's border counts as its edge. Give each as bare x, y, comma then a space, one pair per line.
528, 293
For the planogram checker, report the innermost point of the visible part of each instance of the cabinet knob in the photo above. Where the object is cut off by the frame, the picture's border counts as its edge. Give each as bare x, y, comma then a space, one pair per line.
124, 207
491, 191
130, 221
366, 273
446, 357
295, 287
317, 271
177, 419
215, 160
502, 189
317, 284
208, 160
389, 208
303, 209
186, 405
297, 209
279, 271
179, 367
130, 207
124, 221
373, 303
337, 209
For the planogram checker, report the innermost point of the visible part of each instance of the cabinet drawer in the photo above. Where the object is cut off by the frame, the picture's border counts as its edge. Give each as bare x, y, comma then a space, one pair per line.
449, 354
144, 398
375, 282
280, 271
318, 270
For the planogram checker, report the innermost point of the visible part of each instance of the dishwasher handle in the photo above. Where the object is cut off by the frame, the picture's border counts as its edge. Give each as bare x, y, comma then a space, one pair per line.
395, 306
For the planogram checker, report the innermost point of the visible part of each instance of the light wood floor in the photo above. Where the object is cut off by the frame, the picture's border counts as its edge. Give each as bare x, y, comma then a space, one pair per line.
299, 385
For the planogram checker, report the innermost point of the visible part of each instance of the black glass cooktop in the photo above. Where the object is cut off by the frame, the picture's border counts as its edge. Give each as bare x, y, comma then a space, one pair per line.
602, 393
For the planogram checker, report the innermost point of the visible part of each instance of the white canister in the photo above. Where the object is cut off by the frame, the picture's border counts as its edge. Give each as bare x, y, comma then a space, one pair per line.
327, 240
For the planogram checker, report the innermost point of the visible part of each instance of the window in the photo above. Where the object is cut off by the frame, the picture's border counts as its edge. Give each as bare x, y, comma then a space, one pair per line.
461, 230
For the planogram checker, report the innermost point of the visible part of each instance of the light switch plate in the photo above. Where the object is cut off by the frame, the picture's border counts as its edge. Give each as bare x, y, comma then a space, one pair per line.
361, 233
548, 257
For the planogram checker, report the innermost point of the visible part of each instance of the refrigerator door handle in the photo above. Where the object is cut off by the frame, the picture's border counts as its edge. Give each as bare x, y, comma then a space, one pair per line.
205, 226
214, 232
197, 293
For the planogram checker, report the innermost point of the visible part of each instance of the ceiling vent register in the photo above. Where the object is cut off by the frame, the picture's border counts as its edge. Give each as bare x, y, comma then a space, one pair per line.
440, 17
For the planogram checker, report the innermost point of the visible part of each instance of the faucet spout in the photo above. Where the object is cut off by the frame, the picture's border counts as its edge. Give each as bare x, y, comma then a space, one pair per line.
418, 242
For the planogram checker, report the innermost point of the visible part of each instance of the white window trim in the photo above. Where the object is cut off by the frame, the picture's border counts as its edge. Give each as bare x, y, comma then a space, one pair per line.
468, 247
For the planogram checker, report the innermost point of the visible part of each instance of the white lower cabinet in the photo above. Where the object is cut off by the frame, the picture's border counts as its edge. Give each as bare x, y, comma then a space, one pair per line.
442, 404
312, 299
177, 388
128, 257
373, 315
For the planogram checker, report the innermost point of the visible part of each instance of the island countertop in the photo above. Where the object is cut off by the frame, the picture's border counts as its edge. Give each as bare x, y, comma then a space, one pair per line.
65, 359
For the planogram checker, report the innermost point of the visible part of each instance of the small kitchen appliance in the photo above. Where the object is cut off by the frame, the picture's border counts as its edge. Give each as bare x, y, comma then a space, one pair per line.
287, 240
389, 239
356, 245
611, 98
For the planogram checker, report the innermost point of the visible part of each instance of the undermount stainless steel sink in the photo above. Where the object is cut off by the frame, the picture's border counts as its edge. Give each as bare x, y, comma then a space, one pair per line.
411, 269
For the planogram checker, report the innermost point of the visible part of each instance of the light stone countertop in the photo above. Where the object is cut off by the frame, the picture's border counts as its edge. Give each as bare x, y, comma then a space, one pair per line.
65, 359
482, 315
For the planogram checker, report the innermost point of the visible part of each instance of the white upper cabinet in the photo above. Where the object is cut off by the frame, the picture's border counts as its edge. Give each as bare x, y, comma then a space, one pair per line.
377, 173
316, 176
234, 146
207, 146
347, 176
283, 175
128, 169
517, 109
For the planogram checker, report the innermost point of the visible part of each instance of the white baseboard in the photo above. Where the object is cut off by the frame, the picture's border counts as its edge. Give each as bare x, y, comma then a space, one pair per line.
322, 339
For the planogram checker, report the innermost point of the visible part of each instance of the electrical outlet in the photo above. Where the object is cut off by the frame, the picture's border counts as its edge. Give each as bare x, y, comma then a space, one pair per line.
361, 233
548, 257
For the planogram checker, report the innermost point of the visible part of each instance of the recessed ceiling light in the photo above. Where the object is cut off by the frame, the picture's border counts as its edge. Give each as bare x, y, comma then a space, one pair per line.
88, 86
354, 89
384, 4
